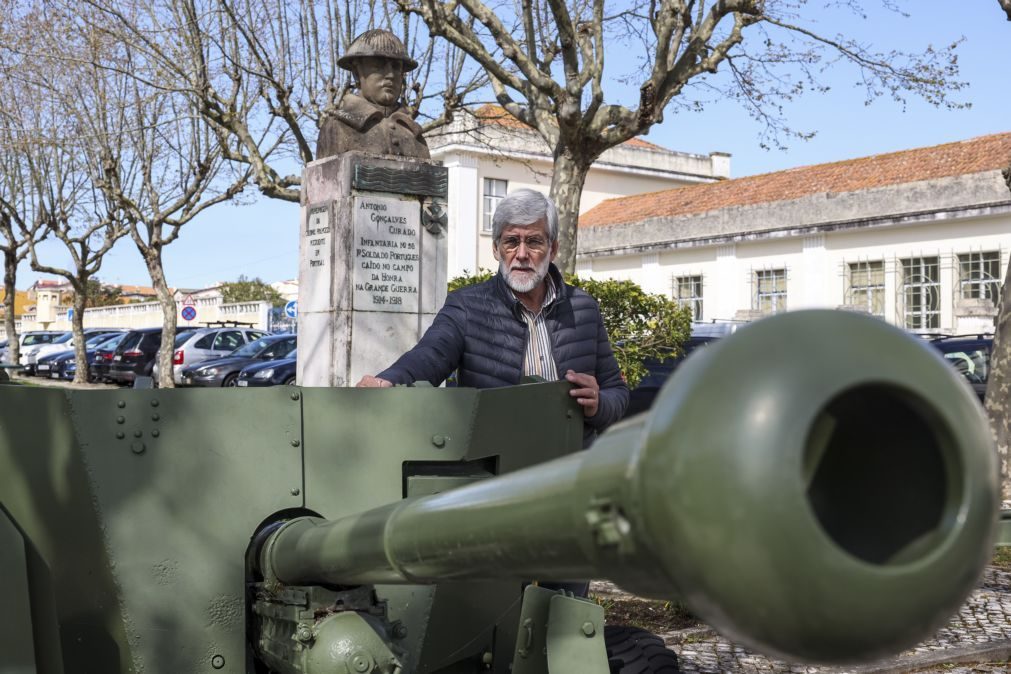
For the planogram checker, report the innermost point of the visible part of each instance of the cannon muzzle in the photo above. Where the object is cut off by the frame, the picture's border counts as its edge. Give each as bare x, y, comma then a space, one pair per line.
819, 486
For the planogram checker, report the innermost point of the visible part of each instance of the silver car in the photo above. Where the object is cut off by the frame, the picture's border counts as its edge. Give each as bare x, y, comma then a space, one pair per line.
207, 343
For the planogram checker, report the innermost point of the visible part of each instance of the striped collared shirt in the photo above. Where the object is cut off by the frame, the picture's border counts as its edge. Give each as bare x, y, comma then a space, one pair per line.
539, 359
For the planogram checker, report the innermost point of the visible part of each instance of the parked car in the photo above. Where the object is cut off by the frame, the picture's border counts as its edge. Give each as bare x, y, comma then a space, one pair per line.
98, 364
44, 365
225, 371
26, 339
970, 355
135, 355
64, 366
206, 344
28, 350
43, 357
642, 396
272, 373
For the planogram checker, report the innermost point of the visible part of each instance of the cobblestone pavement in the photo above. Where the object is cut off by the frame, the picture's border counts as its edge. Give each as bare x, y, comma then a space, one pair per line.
979, 633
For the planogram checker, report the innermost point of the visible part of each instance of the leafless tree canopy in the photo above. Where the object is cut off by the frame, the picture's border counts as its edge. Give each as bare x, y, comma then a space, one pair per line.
45, 165
546, 60
264, 74
109, 150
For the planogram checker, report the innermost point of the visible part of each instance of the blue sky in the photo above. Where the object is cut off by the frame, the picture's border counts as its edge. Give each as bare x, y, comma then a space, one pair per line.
261, 238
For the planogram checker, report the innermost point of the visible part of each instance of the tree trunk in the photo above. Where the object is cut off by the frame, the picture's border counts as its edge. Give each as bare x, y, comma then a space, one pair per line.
566, 191
10, 295
77, 326
168, 307
998, 387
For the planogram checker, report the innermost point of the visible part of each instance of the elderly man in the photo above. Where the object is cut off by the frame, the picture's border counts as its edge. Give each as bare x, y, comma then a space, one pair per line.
375, 121
523, 321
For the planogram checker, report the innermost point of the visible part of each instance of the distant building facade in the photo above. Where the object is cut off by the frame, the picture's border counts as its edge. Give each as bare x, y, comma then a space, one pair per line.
920, 238
491, 154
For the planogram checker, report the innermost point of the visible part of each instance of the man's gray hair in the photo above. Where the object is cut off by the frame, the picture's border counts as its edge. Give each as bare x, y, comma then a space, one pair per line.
524, 207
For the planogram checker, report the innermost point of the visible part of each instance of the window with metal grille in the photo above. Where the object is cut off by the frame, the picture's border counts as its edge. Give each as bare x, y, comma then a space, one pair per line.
921, 294
867, 286
494, 192
979, 276
770, 290
687, 290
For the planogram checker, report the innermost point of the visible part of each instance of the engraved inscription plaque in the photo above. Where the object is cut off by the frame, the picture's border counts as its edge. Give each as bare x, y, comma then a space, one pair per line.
317, 260
387, 254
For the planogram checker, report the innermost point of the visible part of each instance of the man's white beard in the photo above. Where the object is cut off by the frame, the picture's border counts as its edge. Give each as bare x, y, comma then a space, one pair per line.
524, 281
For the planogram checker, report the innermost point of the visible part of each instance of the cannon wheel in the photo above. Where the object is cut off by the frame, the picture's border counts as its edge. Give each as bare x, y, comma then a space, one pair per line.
631, 650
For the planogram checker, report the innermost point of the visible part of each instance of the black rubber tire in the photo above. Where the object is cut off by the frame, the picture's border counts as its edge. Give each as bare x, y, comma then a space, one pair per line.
290, 381
631, 650
230, 381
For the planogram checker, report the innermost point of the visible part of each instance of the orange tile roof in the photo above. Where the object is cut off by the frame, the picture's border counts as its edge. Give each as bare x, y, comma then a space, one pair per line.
136, 290
21, 301
496, 114
985, 153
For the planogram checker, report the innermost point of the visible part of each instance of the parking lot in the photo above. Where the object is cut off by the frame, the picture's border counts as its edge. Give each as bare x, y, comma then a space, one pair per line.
222, 355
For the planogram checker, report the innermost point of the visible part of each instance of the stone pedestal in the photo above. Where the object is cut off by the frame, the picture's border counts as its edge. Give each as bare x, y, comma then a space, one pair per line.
372, 263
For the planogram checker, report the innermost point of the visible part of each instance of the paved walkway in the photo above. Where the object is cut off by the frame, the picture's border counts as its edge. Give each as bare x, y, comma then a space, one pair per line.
979, 633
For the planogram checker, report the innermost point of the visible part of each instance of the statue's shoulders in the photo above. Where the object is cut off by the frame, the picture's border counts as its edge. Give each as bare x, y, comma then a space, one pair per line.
402, 116
357, 112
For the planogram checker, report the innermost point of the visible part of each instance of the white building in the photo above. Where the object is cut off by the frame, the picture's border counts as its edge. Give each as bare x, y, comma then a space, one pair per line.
492, 153
920, 238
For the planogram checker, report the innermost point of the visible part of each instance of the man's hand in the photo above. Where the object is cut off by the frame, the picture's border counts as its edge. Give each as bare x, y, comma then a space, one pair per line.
586, 391
368, 381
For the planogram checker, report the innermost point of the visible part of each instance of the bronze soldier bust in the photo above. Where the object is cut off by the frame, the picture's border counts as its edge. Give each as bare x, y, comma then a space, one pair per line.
374, 121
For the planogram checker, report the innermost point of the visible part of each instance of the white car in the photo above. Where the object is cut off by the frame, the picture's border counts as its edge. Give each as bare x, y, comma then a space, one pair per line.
30, 346
28, 339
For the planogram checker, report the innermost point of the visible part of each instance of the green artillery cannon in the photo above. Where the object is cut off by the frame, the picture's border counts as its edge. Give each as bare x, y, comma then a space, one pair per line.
818, 486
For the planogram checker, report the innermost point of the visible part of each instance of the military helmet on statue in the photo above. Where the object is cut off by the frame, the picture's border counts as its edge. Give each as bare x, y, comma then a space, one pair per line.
379, 43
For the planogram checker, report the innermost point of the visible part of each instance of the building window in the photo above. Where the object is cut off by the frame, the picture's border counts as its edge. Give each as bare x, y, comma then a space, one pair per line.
867, 287
687, 291
494, 191
770, 290
921, 295
979, 276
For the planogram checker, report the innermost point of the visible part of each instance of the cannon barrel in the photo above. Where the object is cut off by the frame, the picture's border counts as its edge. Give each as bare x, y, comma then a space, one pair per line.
819, 486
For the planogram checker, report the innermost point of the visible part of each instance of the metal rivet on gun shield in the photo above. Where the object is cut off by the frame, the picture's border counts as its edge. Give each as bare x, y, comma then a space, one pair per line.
361, 662
154, 403
439, 440
121, 419
120, 435
588, 629
138, 434
138, 447
121, 404
294, 396
295, 443
155, 417
295, 491
217, 662
155, 433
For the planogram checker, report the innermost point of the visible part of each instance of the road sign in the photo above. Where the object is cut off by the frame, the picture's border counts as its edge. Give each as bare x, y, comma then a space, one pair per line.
189, 313
188, 301
291, 309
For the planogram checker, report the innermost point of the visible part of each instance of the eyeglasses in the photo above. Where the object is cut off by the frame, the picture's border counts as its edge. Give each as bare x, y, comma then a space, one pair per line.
534, 244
